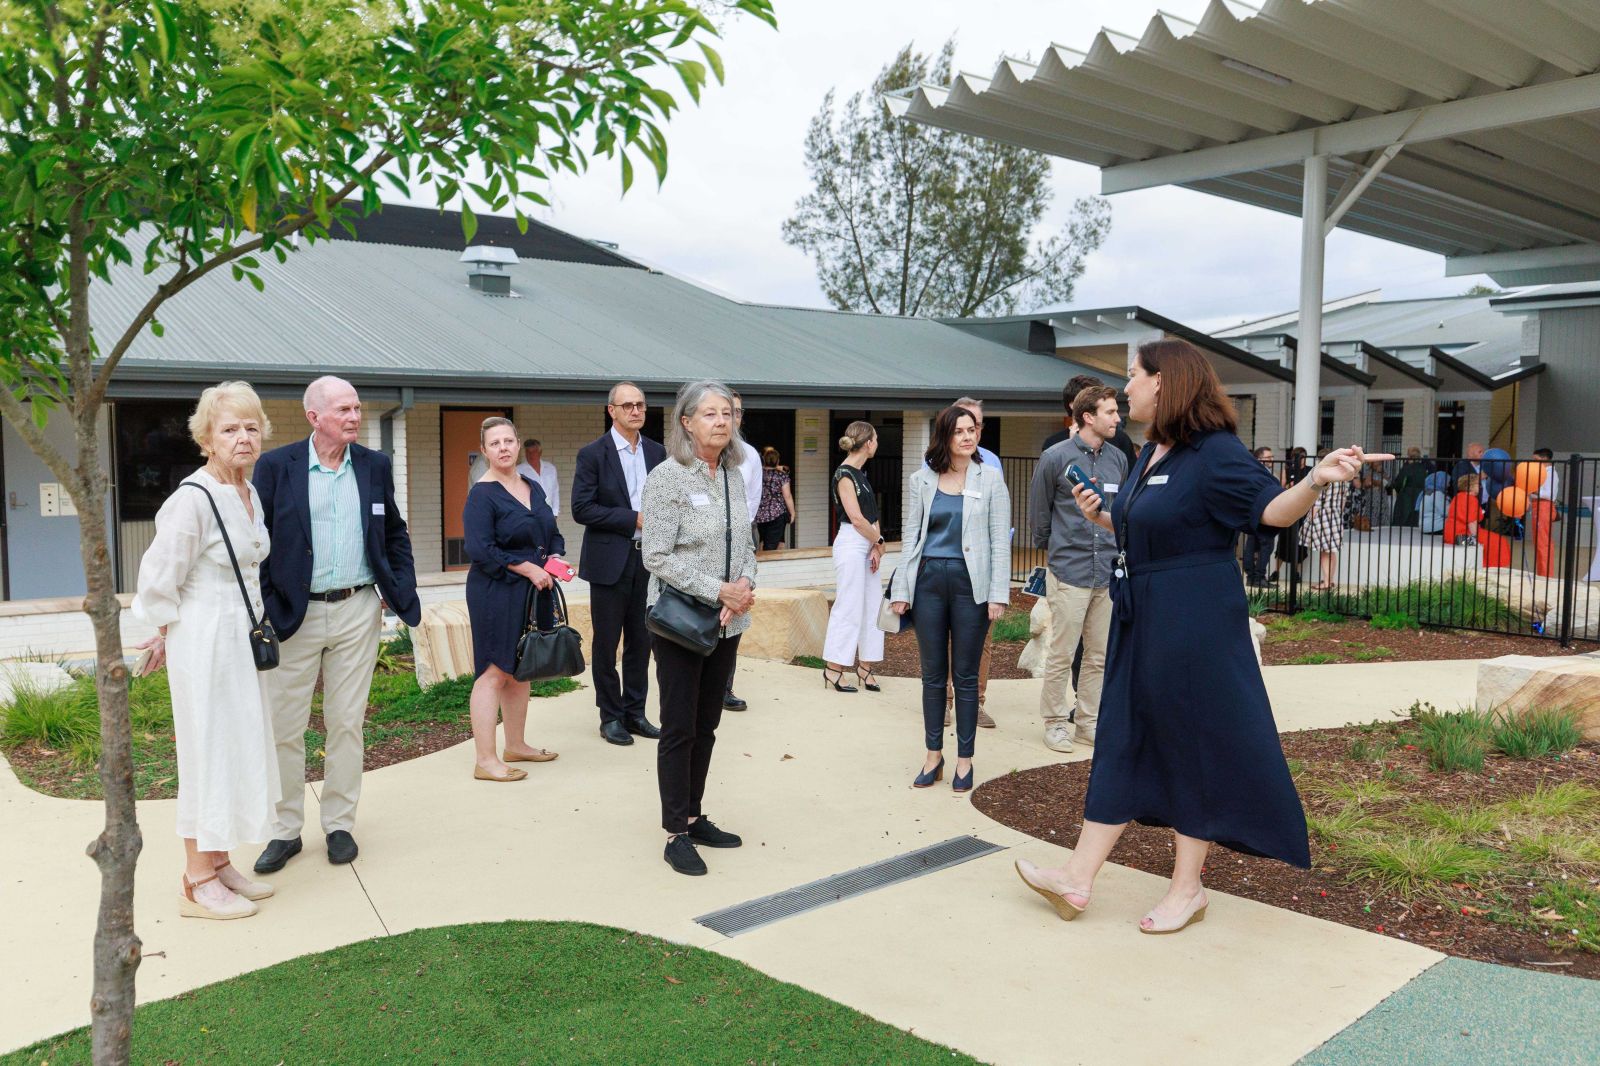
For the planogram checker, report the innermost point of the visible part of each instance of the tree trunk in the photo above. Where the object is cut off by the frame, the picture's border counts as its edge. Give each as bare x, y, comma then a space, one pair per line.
116, 849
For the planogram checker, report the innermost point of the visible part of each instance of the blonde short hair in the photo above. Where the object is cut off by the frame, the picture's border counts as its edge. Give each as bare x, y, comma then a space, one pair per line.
235, 396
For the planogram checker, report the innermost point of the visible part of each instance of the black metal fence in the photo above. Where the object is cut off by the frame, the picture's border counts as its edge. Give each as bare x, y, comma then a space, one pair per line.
1404, 544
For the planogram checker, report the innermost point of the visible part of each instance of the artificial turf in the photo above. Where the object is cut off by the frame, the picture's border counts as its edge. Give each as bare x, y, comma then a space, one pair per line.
511, 992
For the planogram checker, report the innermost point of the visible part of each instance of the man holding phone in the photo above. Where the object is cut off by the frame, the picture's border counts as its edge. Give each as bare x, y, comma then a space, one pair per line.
1078, 573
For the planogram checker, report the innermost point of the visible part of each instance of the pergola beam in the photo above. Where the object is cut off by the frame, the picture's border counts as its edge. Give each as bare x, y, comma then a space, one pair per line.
1453, 118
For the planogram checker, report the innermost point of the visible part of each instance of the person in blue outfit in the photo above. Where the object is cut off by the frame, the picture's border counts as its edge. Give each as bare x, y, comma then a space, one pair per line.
510, 534
1186, 738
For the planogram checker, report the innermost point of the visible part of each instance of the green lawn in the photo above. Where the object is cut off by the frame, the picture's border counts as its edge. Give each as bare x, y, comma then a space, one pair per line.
523, 992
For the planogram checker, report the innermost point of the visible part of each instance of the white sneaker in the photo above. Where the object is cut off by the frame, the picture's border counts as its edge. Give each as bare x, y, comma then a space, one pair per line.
1058, 736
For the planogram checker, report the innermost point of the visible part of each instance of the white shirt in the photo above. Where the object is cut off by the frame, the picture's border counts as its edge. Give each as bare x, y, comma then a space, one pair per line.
548, 480
750, 470
1551, 488
631, 456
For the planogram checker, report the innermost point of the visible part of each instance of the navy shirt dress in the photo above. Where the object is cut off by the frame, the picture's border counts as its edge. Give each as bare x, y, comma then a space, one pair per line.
1186, 737
501, 532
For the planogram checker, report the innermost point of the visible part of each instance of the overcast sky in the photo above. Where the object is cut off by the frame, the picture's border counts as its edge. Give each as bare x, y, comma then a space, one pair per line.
737, 170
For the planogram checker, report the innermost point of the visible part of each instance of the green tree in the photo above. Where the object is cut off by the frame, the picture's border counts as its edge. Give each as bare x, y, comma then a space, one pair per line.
909, 220
194, 136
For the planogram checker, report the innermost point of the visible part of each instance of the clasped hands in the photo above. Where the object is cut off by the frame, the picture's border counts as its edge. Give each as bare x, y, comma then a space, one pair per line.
736, 598
535, 573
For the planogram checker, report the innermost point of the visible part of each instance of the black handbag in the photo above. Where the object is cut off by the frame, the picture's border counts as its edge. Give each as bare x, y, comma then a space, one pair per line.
263, 638
546, 653
686, 620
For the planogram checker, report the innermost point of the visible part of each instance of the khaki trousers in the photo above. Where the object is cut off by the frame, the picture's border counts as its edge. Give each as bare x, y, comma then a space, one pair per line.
340, 642
1075, 613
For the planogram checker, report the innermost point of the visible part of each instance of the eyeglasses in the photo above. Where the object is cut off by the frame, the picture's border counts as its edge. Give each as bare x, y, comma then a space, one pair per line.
738, 412
629, 406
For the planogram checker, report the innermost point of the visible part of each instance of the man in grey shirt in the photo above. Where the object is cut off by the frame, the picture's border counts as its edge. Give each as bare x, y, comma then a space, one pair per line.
1078, 574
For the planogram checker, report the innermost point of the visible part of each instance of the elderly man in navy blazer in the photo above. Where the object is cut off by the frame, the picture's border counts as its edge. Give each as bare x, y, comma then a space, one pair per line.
607, 494
340, 551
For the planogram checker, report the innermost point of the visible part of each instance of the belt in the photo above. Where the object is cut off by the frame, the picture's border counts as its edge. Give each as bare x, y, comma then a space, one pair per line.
1122, 588
336, 595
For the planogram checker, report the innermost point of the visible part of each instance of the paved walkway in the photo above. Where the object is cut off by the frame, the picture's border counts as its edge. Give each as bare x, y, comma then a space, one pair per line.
817, 784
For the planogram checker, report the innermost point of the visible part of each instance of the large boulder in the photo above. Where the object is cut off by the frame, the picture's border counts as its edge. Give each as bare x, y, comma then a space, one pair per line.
1516, 683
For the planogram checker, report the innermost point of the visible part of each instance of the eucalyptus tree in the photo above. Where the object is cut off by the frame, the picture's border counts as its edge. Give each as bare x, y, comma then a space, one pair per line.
186, 137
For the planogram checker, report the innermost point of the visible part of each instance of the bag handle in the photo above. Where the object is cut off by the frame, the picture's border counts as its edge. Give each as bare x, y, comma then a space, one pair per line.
238, 575
530, 606
727, 510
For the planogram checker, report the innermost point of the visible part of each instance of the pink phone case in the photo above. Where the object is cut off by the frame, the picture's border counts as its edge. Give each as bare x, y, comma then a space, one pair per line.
559, 569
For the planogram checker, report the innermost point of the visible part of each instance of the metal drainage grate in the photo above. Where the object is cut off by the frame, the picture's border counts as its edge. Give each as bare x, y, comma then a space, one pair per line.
743, 917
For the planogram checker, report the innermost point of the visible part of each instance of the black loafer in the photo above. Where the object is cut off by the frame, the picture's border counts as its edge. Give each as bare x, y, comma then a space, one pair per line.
277, 855
704, 831
616, 733
730, 702
641, 727
682, 857
341, 847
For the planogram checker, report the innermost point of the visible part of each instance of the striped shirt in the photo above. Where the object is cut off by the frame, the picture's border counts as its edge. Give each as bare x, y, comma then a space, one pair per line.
338, 532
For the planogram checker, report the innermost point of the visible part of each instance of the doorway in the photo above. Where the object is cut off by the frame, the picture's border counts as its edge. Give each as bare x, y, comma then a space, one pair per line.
459, 455
1450, 442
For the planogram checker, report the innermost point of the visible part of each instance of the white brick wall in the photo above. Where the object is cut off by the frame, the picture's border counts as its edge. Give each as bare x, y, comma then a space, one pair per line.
811, 476
914, 447
1475, 421
562, 431
424, 515
1024, 434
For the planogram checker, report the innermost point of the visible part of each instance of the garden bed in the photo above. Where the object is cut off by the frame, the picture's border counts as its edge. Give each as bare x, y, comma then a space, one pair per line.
1315, 638
1501, 865
52, 742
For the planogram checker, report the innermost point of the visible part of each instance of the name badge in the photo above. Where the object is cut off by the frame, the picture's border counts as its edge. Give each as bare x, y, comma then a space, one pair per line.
699, 499
1159, 479
976, 494
377, 508
1111, 486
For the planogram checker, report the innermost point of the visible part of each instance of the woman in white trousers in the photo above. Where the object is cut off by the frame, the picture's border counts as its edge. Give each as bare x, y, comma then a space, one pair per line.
853, 633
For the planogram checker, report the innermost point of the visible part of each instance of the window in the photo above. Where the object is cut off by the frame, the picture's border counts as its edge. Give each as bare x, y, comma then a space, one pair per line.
154, 453
1325, 427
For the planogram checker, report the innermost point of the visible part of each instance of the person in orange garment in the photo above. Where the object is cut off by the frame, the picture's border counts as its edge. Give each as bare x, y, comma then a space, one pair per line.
1542, 512
1461, 521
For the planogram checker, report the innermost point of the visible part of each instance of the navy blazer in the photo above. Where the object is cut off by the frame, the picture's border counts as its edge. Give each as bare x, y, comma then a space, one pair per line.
283, 480
600, 504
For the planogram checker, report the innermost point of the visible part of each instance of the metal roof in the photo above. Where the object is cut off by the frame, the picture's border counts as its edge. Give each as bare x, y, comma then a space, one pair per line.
427, 227
1497, 105
391, 316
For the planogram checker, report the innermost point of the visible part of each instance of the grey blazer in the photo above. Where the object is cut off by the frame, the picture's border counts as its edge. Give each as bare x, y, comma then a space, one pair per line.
985, 534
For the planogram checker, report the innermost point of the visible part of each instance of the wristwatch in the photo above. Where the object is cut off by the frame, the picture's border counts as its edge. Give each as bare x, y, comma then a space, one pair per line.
880, 540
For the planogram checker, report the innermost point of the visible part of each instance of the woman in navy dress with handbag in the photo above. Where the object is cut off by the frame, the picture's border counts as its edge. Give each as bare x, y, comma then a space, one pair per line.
1186, 737
510, 534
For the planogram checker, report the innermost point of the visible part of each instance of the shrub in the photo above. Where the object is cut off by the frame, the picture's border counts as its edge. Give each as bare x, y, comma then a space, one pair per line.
1315, 658
1012, 626
1538, 732
1471, 820
1453, 740
1394, 620
400, 643
1315, 615
1411, 866
1558, 801
69, 719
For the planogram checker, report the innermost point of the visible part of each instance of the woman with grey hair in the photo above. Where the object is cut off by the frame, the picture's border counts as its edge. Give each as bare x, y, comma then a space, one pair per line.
694, 558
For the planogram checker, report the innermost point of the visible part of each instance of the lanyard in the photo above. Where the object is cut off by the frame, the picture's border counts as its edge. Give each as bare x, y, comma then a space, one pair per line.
1126, 500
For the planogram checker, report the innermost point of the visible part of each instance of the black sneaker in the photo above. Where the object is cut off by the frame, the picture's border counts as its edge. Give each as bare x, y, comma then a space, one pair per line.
705, 832
682, 857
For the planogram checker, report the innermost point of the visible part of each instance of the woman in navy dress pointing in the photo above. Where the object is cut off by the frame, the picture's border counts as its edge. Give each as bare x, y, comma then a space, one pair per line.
1186, 737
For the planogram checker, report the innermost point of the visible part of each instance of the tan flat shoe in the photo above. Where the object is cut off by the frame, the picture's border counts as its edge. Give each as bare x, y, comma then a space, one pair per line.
479, 773
189, 907
241, 885
1067, 909
537, 755
1194, 912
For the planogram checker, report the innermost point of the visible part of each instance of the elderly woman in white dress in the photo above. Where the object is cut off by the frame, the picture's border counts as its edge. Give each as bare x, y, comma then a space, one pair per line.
227, 770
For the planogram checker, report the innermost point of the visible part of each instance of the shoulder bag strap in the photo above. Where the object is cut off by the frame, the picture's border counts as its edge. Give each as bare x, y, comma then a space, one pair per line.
238, 575
727, 508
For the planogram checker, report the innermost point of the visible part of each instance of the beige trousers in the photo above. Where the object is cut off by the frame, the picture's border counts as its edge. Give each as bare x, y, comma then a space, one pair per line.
340, 642
1075, 612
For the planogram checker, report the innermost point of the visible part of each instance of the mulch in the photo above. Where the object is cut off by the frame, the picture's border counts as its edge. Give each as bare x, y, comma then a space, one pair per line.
1047, 803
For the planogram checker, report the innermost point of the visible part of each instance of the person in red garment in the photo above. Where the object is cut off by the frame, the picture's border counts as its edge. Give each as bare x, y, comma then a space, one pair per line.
1461, 521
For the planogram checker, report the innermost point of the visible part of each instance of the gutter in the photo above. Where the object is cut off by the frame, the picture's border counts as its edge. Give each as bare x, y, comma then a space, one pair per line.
408, 400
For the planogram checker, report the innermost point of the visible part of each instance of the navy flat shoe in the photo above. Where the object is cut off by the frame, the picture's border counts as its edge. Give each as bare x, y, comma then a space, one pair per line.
962, 784
928, 777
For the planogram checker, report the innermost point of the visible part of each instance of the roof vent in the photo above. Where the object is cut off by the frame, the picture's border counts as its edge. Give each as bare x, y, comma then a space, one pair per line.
489, 268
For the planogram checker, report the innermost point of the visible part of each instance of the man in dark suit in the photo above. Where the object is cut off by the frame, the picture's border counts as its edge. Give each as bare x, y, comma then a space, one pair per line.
607, 497
340, 550
1472, 465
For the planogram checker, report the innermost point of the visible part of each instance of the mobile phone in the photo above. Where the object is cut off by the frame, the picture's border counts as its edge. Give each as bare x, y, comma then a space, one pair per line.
1077, 476
559, 569
141, 665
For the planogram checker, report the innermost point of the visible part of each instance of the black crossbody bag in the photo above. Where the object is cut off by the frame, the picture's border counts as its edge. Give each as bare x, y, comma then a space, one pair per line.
263, 638
686, 620
546, 653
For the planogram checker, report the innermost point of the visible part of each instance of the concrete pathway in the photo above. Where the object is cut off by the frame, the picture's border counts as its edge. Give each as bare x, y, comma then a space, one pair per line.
817, 782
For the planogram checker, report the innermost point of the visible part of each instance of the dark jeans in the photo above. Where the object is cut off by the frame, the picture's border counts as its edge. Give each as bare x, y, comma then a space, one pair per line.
1257, 551
772, 533
951, 628
617, 611
691, 707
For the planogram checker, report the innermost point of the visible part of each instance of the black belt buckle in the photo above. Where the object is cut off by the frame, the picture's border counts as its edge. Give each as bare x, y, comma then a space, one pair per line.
337, 595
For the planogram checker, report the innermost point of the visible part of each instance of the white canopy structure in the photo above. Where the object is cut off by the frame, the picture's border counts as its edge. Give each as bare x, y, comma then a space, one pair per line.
1470, 128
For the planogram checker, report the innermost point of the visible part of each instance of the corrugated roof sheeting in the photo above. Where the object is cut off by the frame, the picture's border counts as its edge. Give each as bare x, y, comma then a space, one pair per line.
408, 313
1242, 73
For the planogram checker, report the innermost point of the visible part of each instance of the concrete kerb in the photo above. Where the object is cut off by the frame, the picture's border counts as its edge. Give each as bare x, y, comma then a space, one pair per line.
817, 782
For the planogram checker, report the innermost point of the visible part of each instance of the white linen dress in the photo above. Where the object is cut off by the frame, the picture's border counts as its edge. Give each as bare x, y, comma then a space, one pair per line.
227, 764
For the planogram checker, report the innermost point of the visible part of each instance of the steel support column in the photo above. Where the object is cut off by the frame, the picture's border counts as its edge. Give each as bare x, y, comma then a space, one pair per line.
1308, 342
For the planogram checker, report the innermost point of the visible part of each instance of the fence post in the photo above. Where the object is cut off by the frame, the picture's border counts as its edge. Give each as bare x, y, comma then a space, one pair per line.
1569, 555
1293, 563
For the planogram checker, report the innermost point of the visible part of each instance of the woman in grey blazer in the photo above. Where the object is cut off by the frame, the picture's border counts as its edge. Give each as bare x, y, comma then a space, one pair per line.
958, 574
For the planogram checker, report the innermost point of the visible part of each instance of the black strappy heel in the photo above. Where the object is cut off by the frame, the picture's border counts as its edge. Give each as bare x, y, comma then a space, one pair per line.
834, 681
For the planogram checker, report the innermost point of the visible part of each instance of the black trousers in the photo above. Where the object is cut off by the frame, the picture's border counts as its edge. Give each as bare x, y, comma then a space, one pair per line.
1257, 552
691, 707
617, 611
772, 532
951, 628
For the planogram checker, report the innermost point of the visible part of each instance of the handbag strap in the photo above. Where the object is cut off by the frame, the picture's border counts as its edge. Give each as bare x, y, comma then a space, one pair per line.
238, 575
531, 603
727, 509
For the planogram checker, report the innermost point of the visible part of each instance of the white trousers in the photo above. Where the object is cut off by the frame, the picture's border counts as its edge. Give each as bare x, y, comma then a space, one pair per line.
340, 642
853, 631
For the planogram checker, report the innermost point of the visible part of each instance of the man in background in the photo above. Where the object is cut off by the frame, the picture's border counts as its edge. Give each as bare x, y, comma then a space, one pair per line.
543, 471
1119, 440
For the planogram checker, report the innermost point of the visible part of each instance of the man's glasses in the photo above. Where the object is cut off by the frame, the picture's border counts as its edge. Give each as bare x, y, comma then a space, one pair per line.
629, 406
738, 412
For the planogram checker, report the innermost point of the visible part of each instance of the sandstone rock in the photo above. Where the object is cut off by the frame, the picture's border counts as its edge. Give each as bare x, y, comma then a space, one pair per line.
42, 678
1516, 683
1032, 657
1258, 633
